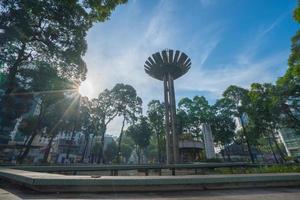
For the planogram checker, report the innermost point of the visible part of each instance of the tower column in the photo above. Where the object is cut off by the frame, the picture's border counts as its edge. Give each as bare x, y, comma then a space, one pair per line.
170, 120
173, 121
167, 121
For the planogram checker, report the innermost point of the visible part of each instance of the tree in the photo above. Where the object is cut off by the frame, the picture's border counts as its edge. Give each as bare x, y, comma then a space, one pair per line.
127, 148
27, 126
52, 32
111, 152
156, 120
194, 112
49, 89
140, 134
12, 107
73, 121
49, 31
223, 123
240, 98
86, 123
266, 113
53, 123
128, 105
289, 85
103, 112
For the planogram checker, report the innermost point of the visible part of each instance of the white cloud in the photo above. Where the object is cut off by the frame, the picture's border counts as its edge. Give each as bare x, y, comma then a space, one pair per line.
235, 73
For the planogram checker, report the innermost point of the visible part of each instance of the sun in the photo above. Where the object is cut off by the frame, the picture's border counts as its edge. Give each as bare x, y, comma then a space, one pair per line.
86, 88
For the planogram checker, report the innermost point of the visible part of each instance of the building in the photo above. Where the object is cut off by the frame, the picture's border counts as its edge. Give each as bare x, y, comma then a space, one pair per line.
291, 141
190, 150
239, 152
208, 141
66, 149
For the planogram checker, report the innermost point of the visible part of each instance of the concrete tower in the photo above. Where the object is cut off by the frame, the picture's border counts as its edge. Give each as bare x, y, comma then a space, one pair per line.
167, 66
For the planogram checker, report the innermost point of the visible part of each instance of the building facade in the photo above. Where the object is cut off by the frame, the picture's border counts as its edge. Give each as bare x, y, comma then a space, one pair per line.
291, 141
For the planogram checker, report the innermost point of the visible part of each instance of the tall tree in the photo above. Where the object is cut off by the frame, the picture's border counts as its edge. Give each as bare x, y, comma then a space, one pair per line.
289, 84
49, 89
54, 123
72, 117
223, 123
156, 120
128, 105
111, 152
140, 134
197, 112
45, 31
266, 114
103, 111
240, 98
87, 127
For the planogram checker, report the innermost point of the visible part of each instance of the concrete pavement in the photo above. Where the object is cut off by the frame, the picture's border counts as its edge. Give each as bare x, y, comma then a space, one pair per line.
234, 194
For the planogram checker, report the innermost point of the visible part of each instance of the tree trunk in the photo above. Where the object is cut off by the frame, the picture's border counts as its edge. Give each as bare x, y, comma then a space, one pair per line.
120, 141
228, 153
47, 151
85, 148
102, 148
101, 153
91, 154
272, 150
13, 70
158, 148
138, 153
247, 141
72, 138
27, 148
250, 150
24, 144
28, 145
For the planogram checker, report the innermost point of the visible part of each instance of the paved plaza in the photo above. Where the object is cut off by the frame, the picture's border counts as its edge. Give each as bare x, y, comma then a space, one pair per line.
13, 193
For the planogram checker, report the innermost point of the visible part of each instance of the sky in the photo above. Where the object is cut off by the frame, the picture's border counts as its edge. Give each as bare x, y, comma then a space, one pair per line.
230, 42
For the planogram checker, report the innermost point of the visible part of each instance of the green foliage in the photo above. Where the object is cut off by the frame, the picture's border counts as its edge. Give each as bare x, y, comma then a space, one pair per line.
111, 152
192, 113
240, 107
127, 103
51, 31
140, 133
288, 86
223, 124
266, 112
96, 148
103, 111
297, 12
28, 125
127, 147
239, 99
38, 32
128, 106
156, 114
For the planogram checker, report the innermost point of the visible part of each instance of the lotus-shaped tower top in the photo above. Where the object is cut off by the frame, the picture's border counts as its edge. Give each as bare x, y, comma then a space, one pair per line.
168, 61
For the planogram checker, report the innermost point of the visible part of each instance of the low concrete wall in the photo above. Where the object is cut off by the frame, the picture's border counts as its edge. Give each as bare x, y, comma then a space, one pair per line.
66, 168
45, 182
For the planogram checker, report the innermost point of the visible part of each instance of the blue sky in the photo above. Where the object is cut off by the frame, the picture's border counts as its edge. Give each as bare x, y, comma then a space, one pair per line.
229, 42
